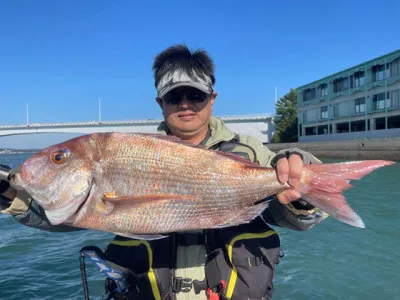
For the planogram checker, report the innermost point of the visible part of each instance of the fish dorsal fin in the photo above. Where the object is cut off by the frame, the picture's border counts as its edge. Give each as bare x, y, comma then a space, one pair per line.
232, 156
172, 139
246, 163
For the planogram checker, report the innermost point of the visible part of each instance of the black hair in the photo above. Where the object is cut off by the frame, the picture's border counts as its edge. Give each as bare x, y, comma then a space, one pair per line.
179, 57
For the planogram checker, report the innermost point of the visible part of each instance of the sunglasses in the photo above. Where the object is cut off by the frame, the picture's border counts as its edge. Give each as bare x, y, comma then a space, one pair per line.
175, 96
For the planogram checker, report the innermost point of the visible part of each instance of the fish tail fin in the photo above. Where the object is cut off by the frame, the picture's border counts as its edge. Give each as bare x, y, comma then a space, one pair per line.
326, 183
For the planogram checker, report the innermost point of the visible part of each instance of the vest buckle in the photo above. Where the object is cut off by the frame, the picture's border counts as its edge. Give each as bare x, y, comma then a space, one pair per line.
180, 284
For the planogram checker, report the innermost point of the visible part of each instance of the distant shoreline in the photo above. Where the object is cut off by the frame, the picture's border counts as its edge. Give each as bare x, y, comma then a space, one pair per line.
387, 149
17, 151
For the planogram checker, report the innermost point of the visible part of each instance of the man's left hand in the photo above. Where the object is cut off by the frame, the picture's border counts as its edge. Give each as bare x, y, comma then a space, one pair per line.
288, 170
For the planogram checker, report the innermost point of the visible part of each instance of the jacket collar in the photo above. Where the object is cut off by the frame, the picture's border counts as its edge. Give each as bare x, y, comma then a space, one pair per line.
219, 132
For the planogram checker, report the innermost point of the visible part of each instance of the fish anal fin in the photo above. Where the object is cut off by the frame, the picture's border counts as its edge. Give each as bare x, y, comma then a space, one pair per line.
244, 216
148, 237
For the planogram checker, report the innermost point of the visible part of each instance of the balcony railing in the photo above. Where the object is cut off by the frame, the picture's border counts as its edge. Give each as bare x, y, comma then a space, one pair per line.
392, 80
388, 104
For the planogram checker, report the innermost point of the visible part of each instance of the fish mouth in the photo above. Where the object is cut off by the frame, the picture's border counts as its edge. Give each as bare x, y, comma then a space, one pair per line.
56, 216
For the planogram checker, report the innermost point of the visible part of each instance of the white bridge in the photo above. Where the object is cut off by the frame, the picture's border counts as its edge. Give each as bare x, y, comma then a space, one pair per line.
260, 126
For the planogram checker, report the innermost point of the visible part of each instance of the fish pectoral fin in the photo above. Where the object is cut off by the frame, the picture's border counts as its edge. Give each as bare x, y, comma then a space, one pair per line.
142, 199
110, 196
148, 237
104, 207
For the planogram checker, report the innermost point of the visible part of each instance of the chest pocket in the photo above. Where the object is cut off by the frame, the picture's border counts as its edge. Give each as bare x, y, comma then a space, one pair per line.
244, 257
150, 262
252, 257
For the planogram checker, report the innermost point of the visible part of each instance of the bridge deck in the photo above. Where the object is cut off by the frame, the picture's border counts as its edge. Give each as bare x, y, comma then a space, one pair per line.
259, 126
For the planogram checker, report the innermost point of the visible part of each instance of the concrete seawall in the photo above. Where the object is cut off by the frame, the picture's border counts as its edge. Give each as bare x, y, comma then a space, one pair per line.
388, 149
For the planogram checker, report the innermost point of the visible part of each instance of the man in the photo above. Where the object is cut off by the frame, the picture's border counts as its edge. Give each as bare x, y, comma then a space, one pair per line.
228, 263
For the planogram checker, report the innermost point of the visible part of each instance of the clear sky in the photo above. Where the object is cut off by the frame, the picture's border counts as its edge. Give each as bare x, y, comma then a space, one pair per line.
61, 56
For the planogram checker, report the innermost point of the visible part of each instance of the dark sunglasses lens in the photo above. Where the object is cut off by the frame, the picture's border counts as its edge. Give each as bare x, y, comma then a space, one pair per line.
172, 98
196, 95
175, 96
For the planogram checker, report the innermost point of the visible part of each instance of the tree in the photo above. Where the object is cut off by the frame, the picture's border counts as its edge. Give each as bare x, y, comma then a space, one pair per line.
286, 121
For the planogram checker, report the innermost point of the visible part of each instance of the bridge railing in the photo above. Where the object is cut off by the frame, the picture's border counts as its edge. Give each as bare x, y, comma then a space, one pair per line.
125, 122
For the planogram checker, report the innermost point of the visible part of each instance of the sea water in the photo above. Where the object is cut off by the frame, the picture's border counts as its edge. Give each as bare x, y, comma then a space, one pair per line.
331, 261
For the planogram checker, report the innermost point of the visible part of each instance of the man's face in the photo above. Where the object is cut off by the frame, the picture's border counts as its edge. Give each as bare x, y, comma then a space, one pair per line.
187, 111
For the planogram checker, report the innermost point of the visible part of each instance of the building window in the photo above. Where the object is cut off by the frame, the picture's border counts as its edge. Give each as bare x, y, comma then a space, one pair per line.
323, 90
395, 99
378, 72
309, 94
310, 115
340, 85
324, 112
359, 79
395, 68
359, 105
341, 110
378, 101
336, 110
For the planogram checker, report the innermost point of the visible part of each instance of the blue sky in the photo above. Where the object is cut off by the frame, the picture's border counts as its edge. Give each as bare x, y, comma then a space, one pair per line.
61, 56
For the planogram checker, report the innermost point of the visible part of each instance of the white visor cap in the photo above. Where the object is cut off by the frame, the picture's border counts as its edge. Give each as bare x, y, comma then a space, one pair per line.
172, 80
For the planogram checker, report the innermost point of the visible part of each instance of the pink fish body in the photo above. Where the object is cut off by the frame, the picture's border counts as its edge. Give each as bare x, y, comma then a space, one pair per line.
141, 184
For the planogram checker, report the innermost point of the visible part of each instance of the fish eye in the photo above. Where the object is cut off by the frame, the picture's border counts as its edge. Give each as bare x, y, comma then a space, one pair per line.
59, 157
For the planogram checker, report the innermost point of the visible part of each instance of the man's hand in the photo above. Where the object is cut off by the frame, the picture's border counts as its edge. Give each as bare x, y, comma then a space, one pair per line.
288, 170
6, 191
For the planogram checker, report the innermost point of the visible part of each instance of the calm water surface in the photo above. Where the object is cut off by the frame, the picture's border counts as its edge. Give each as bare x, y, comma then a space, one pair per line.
331, 261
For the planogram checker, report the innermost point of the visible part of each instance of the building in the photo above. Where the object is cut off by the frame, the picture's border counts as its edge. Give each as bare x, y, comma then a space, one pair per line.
359, 102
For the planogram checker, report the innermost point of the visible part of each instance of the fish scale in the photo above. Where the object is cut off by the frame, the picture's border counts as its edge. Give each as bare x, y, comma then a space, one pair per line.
134, 184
